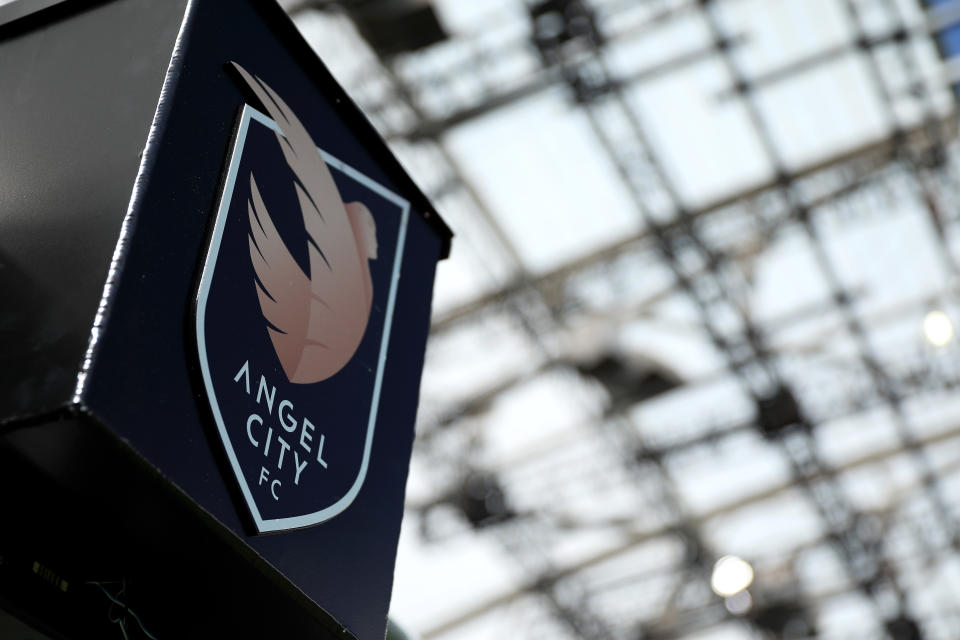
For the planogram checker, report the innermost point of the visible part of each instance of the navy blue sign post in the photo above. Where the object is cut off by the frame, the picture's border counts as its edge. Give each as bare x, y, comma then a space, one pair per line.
214, 364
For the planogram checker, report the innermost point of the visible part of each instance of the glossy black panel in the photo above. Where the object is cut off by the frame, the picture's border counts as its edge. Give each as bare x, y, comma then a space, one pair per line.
80, 83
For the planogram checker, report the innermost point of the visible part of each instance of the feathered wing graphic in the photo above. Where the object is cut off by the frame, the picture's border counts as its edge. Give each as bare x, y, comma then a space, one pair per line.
316, 321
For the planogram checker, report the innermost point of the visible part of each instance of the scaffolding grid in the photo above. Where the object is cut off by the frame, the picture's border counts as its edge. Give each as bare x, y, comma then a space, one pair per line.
735, 351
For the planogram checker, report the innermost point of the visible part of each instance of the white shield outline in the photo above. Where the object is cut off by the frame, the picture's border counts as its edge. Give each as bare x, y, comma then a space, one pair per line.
306, 520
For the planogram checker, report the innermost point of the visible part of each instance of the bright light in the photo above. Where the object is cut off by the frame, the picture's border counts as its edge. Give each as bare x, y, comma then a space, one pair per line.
937, 328
731, 575
739, 603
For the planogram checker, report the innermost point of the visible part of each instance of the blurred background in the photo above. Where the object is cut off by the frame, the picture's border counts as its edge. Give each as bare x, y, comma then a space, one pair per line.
693, 371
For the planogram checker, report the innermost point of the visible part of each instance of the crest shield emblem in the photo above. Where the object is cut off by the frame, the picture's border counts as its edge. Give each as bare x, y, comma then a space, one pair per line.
294, 311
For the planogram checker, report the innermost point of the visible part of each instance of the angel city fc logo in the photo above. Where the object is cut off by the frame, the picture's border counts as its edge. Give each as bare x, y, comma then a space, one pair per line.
294, 311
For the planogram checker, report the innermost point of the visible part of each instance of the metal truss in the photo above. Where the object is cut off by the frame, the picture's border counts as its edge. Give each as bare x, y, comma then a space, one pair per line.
788, 392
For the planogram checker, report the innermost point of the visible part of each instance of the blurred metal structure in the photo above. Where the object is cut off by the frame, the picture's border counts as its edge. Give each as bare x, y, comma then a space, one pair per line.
803, 422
